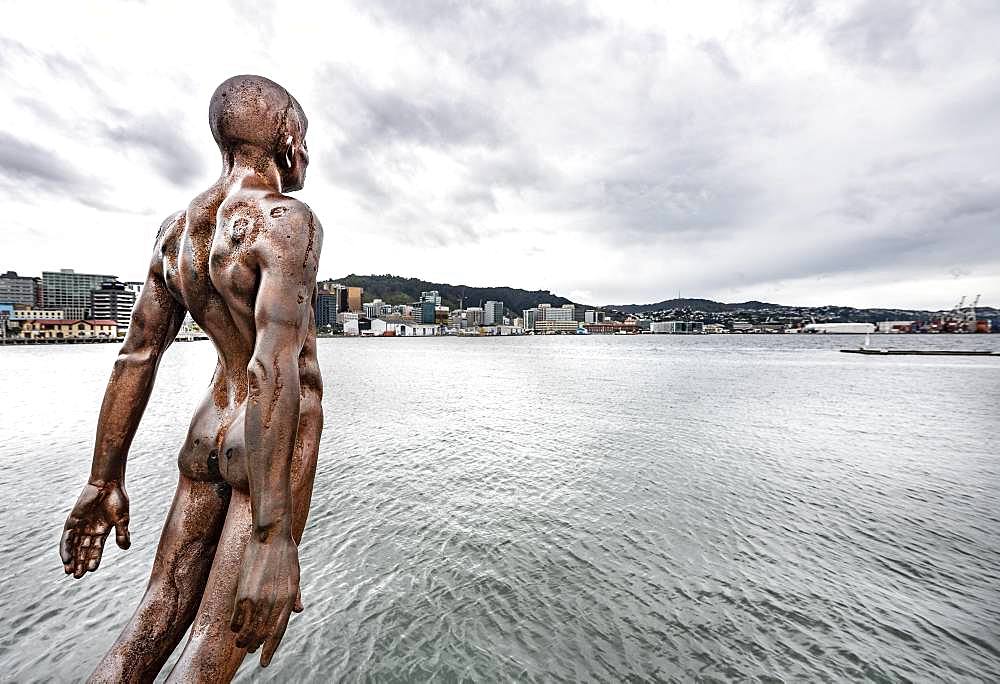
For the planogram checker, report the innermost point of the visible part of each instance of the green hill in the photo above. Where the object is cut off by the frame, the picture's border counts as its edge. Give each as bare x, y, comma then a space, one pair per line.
693, 304
399, 290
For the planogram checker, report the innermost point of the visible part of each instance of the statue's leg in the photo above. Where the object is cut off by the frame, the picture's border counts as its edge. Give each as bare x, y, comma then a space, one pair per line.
211, 653
180, 570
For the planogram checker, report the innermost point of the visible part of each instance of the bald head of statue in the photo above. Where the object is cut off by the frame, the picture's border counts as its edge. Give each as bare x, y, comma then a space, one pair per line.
257, 122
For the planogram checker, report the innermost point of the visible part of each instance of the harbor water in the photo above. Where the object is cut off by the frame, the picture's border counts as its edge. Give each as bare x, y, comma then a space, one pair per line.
564, 508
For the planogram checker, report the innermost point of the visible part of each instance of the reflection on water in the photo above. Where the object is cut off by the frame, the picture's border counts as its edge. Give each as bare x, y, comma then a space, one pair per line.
565, 508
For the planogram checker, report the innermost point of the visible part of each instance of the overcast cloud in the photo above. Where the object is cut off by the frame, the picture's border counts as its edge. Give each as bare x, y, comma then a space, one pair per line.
618, 152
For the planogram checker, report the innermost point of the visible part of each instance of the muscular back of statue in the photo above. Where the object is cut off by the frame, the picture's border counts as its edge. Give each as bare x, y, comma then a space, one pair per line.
242, 260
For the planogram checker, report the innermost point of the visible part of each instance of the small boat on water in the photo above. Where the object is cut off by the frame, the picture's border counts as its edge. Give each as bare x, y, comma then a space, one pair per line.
866, 349
921, 352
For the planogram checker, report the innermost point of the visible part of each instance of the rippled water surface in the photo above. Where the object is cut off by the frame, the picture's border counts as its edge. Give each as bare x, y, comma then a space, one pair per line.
565, 508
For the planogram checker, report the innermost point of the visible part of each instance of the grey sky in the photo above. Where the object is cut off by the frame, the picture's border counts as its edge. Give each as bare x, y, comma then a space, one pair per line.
617, 152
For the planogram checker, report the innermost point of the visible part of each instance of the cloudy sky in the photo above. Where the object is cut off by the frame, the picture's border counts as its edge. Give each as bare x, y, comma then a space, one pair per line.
617, 152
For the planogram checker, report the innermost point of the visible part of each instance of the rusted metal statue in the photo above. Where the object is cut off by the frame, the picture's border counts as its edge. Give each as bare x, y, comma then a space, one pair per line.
242, 259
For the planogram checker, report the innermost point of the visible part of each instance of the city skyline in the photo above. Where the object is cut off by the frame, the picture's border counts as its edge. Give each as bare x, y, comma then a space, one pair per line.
780, 151
330, 280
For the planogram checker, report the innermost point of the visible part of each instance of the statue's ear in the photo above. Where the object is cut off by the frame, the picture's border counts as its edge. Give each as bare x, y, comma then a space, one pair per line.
289, 152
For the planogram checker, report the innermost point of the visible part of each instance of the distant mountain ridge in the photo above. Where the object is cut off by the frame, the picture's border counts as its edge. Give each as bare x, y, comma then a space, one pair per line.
707, 305
394, 289
757, 308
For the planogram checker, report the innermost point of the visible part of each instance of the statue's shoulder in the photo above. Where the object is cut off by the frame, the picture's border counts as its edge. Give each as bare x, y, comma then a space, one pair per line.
170, 226
290, 227
282, 209
166, 239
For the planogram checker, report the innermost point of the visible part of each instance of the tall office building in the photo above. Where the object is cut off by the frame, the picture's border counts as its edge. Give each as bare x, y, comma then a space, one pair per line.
431, 296
427, 311
354, 299
112, 301
331, 299
493, 313
474, 316
70, 291
18, 290
327, 308
529, 317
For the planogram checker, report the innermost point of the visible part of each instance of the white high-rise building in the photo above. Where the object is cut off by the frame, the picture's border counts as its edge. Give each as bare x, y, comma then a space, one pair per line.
493, 313
564, 313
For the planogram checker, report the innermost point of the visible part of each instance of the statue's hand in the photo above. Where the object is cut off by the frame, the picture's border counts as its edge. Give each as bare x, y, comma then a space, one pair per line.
99, 508
267, 594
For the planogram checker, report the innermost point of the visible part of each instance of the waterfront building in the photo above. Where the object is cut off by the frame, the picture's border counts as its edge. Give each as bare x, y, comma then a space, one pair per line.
112, 300
563, 313
35, 314
579, 312
62, 328
557, 325
134, 286
592, 316
433, 296
894, 326
19, 290
676, 327
397, 327
70, 291
493, 313
839, 328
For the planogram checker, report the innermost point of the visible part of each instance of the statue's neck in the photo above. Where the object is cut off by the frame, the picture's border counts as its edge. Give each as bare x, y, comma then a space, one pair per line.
249, 168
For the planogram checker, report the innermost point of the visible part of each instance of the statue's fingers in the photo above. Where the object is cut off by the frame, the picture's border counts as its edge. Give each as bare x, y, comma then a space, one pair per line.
249, 626
122, 536
298, 607
260, 627
78, 561
271, 645
239, 617
66, 548
94, 563
95, 549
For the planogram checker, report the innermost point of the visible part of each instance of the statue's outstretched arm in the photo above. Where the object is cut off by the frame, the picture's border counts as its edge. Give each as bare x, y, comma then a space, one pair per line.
287, 255
103, 504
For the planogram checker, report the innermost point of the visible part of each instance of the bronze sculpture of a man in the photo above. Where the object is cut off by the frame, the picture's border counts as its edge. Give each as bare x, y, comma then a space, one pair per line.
242, 260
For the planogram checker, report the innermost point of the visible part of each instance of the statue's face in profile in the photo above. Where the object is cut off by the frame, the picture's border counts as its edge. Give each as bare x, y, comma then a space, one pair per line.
293, 168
